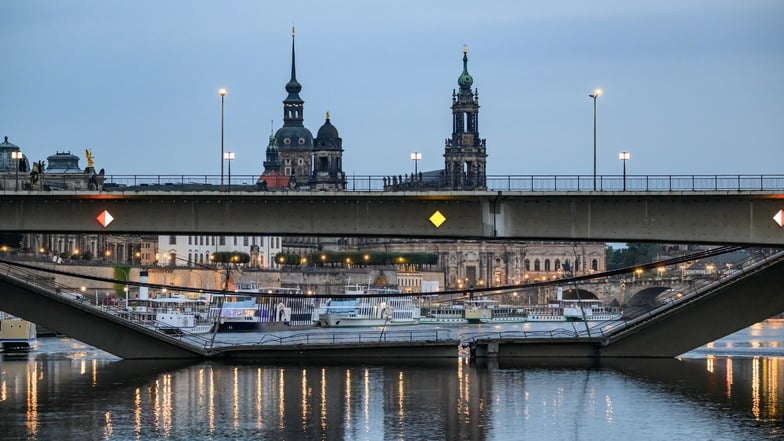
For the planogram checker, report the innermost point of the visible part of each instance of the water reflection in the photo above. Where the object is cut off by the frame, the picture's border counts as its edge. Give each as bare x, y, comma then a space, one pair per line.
44, 396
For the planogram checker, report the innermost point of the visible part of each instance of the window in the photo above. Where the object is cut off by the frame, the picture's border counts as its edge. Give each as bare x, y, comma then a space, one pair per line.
547, 264
537, 265
235, 240
222, 240
558, 264
595, 265
172, 240
527, 264
201, 240
190, 241
245, 241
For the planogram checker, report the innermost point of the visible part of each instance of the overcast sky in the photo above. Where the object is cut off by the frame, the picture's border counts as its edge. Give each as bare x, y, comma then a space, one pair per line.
690, 87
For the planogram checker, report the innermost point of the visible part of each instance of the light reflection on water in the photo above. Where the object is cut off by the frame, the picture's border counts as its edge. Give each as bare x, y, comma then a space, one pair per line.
726, 390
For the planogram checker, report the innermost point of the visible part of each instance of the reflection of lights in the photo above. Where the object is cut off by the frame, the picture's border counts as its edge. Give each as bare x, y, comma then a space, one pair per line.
366, 396
323, 396
281, 399
755, 388
304, 389
709, 363
107, 430
236, 395
259, 400
137, 410
32, 399
347, 400
400, 394
608, 411
729, 377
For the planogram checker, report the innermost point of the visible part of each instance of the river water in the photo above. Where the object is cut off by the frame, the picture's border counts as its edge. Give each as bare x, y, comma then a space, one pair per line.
727, 390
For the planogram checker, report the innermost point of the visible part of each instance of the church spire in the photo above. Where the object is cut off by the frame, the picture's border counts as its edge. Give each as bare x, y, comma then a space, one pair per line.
293, 87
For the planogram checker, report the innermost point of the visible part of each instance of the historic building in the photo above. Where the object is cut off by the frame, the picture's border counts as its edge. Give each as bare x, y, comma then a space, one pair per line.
465, 153
328, 160
297, 149
195, 250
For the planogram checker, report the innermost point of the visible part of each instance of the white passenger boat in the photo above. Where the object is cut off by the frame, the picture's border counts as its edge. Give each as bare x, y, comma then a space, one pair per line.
474, 311
235, 312
16, 334
590, 310
170, 315
352, 309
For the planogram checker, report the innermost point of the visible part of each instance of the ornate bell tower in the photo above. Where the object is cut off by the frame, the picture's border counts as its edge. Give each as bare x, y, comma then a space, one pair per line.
465, 155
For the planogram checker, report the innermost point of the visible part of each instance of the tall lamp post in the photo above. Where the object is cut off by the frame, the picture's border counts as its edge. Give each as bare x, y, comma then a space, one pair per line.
596, 94
416, 156
229, 156
222, 93
624, 156
17, 155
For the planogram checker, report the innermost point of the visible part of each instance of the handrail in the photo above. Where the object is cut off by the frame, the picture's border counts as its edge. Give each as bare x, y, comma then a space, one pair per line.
407, 183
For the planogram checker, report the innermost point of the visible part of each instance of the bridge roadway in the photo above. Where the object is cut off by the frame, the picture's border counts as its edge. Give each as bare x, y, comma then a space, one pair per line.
737, 301
740, 217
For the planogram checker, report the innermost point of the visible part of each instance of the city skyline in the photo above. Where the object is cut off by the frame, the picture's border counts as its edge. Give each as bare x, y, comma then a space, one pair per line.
688, 88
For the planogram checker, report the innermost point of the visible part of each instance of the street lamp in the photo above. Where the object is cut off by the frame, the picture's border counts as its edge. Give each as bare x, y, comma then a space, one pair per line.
416, 156
17, 155
229, 156
222, 93
596, 94
624, 156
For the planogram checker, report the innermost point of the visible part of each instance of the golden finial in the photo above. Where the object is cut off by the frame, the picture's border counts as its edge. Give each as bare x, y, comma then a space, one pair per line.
327, 114
465, 48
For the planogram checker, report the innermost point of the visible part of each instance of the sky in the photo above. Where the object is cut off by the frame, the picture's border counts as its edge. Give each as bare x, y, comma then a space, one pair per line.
689, 87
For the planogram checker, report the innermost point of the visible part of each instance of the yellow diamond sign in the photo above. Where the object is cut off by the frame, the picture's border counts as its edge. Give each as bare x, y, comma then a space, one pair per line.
437, 219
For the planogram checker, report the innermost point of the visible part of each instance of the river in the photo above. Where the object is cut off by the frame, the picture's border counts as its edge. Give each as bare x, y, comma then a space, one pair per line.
727, 390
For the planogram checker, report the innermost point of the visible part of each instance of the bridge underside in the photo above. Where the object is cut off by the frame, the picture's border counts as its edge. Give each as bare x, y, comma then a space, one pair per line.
694, 217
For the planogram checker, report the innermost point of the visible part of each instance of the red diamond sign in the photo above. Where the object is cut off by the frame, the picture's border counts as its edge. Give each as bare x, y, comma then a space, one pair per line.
105, 218
779, 218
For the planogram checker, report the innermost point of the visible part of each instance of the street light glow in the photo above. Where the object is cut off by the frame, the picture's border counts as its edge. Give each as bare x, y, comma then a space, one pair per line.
222, 92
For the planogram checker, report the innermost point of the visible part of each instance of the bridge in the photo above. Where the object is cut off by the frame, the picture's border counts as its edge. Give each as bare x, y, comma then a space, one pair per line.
750, 293
748, 217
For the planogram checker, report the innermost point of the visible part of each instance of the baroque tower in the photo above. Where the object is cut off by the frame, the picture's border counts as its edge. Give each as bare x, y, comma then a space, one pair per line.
294, 140
328, 160
465, 155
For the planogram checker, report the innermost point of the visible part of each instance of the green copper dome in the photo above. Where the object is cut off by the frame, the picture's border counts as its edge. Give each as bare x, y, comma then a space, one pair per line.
465, 80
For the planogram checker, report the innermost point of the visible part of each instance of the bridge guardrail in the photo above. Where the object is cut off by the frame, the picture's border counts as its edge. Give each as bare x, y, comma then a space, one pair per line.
533, 183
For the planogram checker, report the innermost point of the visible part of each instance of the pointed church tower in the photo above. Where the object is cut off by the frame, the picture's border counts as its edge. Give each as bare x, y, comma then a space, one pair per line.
271, 178
294, 140
465, 155
328, 160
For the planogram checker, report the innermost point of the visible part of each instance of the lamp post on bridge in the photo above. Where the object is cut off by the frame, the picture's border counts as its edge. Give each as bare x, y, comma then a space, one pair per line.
222, 93
596, 94
416, 156
624, 156
17, 155
229, 156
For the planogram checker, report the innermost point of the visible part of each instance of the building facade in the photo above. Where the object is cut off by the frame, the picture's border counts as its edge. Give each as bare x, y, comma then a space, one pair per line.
174, 250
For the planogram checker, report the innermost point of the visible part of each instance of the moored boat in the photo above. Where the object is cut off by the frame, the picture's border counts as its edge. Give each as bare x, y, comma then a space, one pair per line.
354, 308
170, 315
474, 311
16, 334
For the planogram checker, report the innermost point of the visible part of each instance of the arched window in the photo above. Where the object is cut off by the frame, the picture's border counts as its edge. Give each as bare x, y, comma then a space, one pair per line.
595, 265
558, 264
190, 258
547, 265
537, 265
527, 264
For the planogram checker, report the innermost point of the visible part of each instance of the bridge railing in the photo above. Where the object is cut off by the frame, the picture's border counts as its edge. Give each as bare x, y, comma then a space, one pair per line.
533, 183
